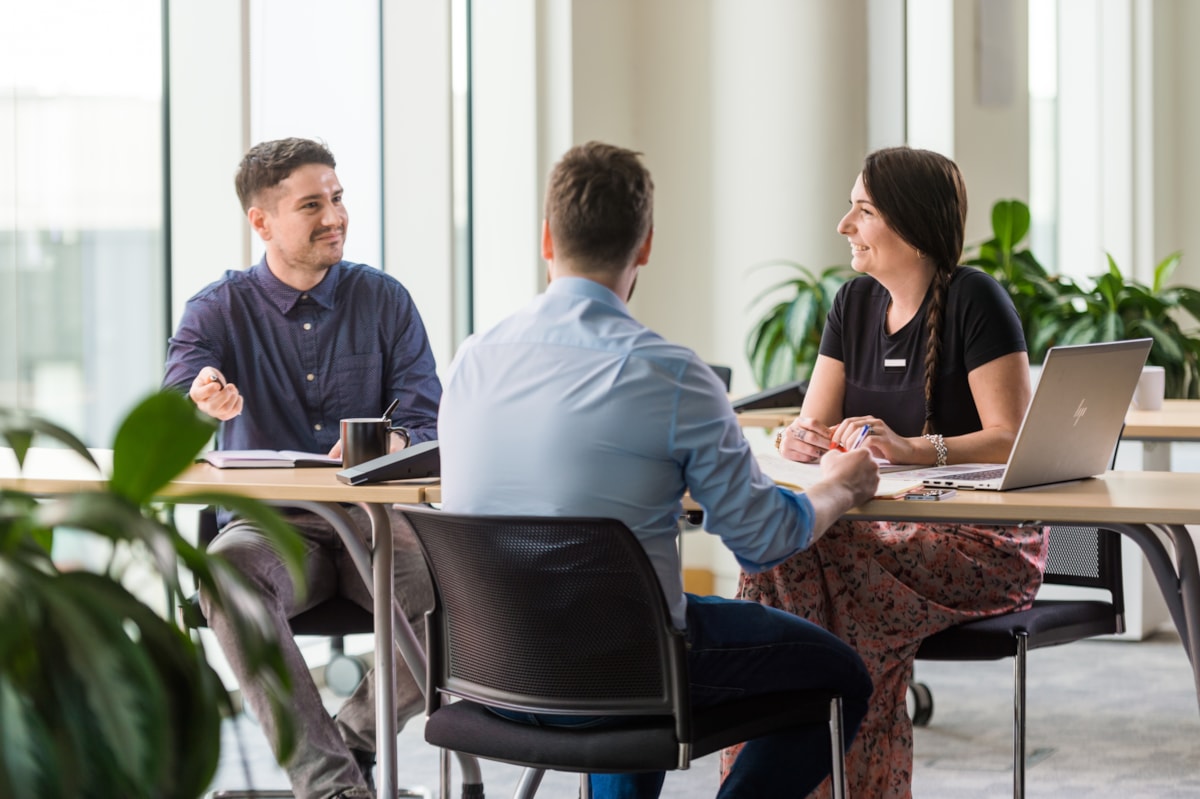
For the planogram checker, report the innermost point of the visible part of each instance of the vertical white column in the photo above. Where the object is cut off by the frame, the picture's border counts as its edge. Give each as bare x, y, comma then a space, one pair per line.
788, 137
316, 74
931, 75
507, 190
208, 232
1080, 165
418, 222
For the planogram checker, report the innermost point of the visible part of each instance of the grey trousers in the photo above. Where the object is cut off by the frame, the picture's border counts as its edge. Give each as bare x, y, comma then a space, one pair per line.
321, 766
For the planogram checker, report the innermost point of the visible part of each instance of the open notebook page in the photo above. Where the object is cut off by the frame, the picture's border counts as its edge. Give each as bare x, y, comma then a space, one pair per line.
800, 475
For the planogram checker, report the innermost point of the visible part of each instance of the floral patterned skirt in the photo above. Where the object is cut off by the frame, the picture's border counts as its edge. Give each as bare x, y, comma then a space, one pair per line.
883, 587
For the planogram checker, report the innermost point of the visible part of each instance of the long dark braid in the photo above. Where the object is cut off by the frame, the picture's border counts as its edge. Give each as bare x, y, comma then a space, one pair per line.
922, 197
933, 345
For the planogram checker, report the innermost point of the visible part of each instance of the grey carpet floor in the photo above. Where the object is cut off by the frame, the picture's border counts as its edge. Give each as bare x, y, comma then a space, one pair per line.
1106, 720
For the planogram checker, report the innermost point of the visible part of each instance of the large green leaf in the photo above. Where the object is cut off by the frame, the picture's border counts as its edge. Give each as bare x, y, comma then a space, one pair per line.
1010, 223
157, 440
1164, 269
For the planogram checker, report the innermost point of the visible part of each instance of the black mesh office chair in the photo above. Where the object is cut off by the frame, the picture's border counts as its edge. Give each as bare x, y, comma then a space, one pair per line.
723, 373
1078, 556
565, 616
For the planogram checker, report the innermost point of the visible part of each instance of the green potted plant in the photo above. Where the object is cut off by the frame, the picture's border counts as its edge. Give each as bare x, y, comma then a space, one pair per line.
100, 695
1056, 310
784, 342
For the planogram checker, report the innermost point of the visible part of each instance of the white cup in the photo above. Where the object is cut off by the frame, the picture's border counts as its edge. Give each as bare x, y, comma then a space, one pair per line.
1151, 387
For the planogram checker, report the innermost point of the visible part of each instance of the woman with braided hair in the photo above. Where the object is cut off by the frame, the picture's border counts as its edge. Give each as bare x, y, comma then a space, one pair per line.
931, 356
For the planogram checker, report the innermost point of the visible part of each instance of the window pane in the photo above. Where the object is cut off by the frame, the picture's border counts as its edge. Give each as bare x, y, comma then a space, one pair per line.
81, 212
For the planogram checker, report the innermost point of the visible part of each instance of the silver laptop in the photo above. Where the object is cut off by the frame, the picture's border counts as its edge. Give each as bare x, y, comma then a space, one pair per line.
1072, 425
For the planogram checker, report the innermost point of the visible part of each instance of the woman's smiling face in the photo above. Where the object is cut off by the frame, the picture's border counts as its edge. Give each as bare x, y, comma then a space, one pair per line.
874, 246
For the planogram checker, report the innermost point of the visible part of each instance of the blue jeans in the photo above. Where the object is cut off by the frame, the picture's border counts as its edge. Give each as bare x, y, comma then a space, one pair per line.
739, 649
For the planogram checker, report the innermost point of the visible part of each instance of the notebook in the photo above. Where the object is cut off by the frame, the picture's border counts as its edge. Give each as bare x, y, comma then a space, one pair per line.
796, 476
267, 459
1072, 425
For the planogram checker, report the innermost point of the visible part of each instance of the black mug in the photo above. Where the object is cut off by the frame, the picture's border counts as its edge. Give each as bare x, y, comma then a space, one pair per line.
365, 439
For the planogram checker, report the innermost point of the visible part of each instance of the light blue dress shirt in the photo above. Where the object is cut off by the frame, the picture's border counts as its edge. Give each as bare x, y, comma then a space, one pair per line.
573, 407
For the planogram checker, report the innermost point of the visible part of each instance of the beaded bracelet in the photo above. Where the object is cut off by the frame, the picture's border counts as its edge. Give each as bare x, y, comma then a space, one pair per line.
939, 446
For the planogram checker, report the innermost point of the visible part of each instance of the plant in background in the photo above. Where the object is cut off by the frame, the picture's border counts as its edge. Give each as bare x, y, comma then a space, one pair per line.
1054, 310
784, 343
100, 696
1117, 307
1039, 297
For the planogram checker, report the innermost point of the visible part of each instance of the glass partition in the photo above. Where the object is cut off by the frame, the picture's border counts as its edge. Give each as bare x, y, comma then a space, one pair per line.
82, 264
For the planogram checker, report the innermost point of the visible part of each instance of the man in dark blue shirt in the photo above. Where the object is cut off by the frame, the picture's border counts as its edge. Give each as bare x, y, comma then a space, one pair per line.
280, 353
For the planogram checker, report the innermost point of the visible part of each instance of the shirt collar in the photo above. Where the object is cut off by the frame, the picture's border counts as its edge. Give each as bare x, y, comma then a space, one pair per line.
284, 297
587, 289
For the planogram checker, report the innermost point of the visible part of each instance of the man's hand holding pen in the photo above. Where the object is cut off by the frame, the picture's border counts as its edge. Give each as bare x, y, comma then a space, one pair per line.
214, 395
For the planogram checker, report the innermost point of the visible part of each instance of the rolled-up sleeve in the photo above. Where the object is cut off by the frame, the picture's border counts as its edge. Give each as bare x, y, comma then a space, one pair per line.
761, 523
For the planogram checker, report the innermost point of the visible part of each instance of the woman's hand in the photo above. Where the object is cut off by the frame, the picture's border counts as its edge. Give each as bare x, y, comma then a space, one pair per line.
804, 440
883, 442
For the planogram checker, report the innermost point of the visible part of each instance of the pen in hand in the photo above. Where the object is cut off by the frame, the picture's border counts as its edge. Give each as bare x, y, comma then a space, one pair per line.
858, 442
215, 377
862, 436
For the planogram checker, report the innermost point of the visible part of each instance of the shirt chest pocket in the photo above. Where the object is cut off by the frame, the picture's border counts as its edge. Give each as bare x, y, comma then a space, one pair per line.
359, 384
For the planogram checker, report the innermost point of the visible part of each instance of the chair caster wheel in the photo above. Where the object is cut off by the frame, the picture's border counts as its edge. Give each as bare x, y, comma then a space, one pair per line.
921, 708
343, 673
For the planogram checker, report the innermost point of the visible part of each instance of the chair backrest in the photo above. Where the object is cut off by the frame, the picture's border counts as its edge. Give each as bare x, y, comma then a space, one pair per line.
1087, 557
723, 373
548, 615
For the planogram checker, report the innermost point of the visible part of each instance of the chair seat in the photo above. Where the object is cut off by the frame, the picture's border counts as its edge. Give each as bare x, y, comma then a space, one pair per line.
642, 744
333, 618
1047, 623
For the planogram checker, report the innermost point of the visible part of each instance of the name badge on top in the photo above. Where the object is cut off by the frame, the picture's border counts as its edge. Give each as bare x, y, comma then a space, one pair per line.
895, 364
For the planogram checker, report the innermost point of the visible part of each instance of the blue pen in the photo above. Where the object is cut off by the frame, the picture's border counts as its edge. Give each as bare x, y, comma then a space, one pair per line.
858, 442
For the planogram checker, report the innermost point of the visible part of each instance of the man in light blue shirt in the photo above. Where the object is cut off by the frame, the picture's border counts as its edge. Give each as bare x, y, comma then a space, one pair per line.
572, 407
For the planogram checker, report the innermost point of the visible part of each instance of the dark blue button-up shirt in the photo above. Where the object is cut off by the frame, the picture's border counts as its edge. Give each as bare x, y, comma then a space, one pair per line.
304, 360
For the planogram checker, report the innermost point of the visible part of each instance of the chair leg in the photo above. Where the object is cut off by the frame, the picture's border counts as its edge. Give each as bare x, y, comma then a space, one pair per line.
531, 778
443, 773
837, 740
585, 787
1019, 716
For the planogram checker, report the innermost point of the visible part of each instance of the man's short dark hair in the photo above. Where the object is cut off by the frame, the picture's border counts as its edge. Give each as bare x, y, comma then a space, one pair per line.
269, 163
600, 205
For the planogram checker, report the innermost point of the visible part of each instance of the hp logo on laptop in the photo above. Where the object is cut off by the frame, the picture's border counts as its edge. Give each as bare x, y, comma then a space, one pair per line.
1079, 412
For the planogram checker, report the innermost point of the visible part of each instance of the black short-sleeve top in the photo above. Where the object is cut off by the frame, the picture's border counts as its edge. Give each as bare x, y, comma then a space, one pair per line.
885, 373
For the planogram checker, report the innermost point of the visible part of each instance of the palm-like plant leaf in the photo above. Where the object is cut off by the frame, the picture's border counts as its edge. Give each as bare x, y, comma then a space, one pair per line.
783, 344
99, 695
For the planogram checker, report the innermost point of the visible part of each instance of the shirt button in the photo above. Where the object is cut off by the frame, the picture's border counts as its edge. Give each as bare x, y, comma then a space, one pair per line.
311, 377
317, 426
308, 326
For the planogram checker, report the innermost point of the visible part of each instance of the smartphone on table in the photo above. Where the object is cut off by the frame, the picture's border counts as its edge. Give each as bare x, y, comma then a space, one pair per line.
930, 494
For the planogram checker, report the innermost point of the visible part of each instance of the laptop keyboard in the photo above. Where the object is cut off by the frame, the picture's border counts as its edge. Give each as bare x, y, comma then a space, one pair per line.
978, 474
